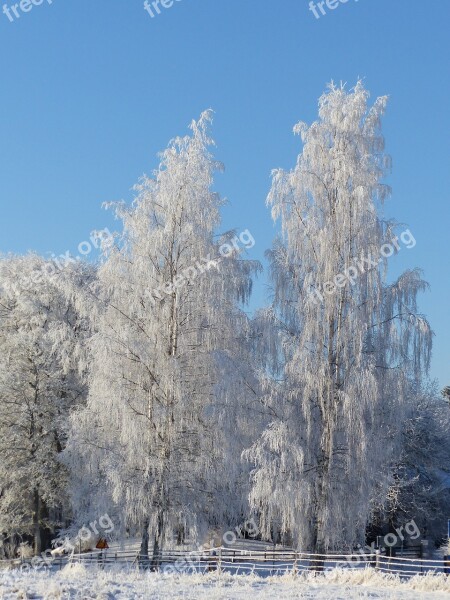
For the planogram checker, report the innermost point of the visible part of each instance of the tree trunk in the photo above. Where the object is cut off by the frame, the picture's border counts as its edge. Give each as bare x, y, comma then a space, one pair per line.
143, 553
158, 544
324, 472
180, 535
36, 522
318, 532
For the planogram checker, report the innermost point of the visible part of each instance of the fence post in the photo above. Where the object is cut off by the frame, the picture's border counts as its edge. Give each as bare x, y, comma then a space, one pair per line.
447, 564
377, 559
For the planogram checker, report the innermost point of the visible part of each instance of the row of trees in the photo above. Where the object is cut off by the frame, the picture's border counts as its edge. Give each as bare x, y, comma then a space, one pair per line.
182, 415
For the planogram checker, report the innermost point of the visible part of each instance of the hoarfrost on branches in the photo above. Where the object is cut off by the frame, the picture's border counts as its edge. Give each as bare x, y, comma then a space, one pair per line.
340, 367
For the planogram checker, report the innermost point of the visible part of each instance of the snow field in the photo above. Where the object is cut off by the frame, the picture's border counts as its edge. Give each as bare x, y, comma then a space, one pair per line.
75, 582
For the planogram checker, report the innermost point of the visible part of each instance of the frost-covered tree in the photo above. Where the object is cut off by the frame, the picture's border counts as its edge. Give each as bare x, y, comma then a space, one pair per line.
41, 381
446, 393
421, 488
168, 359
346, 340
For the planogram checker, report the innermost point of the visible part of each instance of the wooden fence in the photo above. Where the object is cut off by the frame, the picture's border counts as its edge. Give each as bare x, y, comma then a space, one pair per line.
241, 561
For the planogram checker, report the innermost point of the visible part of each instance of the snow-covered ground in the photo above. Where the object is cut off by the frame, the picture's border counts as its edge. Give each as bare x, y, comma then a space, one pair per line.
75, 582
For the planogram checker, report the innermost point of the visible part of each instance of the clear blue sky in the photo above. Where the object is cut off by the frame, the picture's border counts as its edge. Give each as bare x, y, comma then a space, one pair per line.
91, 90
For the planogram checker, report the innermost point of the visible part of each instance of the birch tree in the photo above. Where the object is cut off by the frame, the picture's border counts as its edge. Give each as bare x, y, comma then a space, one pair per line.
346, 338
167, 320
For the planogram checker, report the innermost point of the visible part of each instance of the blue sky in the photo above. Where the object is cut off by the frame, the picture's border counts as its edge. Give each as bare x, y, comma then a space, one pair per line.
92, 90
